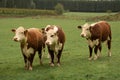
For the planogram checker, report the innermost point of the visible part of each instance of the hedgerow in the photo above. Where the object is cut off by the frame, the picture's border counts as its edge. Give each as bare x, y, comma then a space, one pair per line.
25, 12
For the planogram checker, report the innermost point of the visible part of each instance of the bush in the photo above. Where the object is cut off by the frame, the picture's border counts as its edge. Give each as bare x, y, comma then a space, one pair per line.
59, 9
25, 12
109, 11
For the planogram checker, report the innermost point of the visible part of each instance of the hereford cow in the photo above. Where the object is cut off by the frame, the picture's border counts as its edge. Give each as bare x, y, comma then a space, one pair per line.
31, 40
95, 34
55, 39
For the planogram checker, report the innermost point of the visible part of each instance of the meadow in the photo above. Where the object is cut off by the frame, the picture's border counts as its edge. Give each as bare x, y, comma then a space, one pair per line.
74, 61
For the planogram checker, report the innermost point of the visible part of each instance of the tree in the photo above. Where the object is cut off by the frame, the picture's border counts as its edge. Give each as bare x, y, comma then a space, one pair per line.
59, 9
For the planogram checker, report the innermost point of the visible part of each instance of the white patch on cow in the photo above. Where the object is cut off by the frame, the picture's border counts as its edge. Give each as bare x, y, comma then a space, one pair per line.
85, 31
93, 43
90, 58
99, 53
109, 53
19, 35
95, 57
52, 37
55, 28
28, 51
108, 38
93, 24
52, 65
58, 47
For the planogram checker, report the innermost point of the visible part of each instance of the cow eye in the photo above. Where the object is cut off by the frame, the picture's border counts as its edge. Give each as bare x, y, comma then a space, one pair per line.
87, 29
52, 36
22, 32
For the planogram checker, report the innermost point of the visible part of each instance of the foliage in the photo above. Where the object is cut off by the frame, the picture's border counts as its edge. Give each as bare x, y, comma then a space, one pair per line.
71, 5
109, 11
109, 17
25, 12
59, 9
80, 5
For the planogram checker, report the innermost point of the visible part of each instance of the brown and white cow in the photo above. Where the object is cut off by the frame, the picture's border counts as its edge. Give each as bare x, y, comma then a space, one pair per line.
55, 39
31, 40
95, 34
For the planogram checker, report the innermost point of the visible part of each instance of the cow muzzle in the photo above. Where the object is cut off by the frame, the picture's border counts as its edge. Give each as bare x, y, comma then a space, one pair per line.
82, 35
15, 39
47, 43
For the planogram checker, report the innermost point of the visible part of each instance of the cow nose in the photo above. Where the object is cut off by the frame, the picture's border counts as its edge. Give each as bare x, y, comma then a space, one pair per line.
82, 35
47, 43
15, 39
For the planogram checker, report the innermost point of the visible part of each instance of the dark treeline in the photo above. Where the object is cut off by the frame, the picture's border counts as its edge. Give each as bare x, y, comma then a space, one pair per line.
71, 5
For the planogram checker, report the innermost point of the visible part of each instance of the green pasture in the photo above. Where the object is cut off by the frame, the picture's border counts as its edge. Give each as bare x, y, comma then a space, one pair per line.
74, 61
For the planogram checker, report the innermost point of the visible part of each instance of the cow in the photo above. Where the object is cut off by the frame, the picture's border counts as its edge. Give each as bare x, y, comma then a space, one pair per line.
31, 40
96, 34
55, 39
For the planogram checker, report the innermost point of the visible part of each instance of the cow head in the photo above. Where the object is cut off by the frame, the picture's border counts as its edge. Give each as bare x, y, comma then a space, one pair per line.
20, 34
85, 30
51, 32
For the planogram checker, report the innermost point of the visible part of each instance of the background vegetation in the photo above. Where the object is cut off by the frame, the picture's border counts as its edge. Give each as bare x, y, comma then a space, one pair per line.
69, 5
74, 62
25, 12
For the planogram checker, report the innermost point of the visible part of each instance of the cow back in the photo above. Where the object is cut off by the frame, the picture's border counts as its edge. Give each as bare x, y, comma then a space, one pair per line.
34, 38
61, 35
101, 30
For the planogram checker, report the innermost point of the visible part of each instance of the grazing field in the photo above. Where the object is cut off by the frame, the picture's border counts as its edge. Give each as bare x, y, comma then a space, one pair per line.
74, 61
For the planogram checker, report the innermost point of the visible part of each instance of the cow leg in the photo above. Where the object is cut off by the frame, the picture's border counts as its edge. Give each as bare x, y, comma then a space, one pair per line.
40, 56
109, 47
90, 56
100, 48
25, 60
51, 52
30, 61
59, 56
95, 51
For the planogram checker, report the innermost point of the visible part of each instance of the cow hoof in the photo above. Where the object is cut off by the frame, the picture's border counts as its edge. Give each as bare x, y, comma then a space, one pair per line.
109, 54
52, 65
30, 68
95, 57
26, 68
58, 64
90, 58
99, 55
41, 63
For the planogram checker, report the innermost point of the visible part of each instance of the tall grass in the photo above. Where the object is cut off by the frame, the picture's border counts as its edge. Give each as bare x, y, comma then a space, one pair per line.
74, 62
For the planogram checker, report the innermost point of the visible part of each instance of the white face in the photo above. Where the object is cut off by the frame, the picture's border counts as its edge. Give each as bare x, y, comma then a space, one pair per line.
19, 34
52, 37
85, 31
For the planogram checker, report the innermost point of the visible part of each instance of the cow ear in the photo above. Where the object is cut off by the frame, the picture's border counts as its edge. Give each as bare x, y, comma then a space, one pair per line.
79, 27
43, 30
57, 33
56, 29
90, 28
13, 30
25, 32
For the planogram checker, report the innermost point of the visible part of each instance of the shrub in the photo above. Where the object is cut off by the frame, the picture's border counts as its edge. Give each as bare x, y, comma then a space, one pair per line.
109, 12
59, 9
25, 12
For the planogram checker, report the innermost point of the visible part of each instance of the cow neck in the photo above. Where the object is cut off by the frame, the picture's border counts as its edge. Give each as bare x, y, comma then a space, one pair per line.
23, 43
91, 38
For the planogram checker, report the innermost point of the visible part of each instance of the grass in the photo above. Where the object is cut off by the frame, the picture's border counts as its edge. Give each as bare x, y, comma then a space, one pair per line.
75, 65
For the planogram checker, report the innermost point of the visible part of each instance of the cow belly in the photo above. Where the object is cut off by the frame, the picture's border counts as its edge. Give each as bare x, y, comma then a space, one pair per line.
93, 43
56, 47
28, 51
